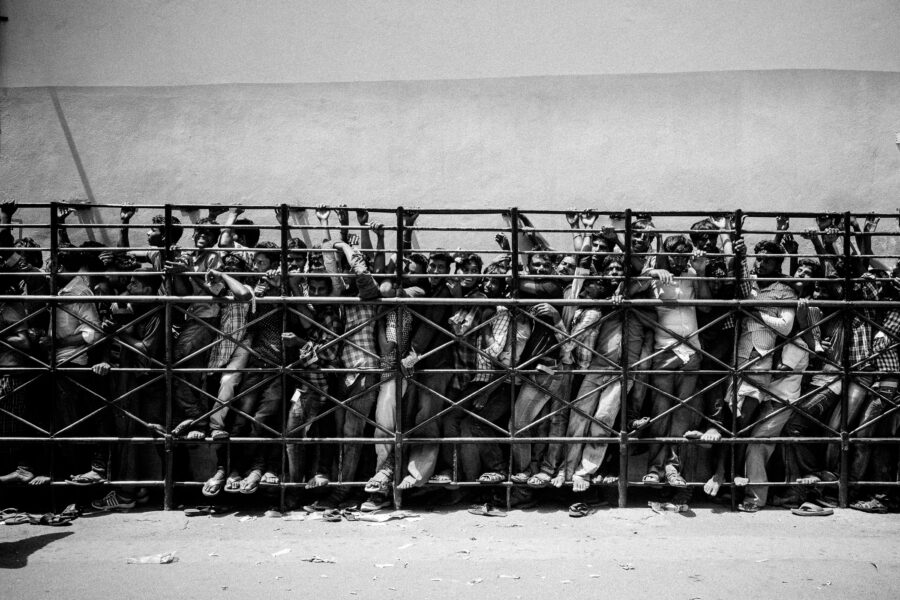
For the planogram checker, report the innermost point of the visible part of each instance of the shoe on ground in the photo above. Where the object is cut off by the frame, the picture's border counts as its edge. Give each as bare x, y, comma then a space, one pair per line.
376, 502
113, 501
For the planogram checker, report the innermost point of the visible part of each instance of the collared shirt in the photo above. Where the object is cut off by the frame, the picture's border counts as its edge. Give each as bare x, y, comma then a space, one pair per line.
233, 324
779, 320
681, 321
76, 317
201, 262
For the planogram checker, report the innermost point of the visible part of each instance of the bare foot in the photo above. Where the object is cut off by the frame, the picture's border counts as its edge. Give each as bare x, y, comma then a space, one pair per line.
711, 435
408, 482
638, 424
712, 486
20, 475
194, 435
580, 484
559, 480
741, 481
39, 480
318, 480
606, 480
809, 480
693, 434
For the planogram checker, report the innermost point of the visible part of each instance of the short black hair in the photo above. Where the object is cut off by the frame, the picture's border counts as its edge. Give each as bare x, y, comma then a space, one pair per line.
175, 233
250, 234
208, 227
677, 244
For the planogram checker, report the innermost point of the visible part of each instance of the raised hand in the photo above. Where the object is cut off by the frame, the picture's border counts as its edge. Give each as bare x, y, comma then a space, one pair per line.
502, 241
410, 216
573, 218
217, 210
377, 228
8, 208
343, 216
362, 216
782, 222
588, 218
126, 213
322, 212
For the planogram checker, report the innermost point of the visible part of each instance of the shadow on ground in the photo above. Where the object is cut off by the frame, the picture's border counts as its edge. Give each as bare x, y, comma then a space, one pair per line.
14, 555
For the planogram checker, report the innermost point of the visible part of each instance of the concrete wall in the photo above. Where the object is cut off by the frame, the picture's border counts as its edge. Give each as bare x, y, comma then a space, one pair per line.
652, 130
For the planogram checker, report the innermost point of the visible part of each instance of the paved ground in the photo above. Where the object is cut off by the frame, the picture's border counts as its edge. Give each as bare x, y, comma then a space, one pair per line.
621, 553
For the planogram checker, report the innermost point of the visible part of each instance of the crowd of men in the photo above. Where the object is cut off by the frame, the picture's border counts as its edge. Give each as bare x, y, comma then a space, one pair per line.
453, 359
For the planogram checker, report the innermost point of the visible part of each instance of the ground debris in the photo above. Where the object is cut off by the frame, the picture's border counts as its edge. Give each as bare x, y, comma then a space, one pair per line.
319, 560
153, 559
508, 577
475, 581
281, 552
626, 566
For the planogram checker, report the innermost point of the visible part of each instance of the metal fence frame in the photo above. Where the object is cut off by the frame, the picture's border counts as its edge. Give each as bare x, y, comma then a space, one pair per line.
401, 440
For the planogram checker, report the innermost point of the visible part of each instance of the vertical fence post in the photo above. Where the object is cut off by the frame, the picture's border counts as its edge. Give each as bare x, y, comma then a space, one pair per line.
51, 329
623, 359
514, 294
735, 370
398, 376
847, 318
285, 402
169, 474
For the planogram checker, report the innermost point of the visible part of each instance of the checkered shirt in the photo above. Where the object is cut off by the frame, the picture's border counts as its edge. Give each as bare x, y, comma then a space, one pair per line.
233, 325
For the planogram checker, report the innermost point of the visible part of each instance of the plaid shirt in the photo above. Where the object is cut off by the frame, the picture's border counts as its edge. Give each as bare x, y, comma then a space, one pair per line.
888, 360
860, 329
359, 352
233, 324
492, 342
582, 337
321, 341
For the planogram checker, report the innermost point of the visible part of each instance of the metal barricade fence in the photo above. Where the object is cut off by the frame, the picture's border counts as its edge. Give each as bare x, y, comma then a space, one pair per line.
296, 412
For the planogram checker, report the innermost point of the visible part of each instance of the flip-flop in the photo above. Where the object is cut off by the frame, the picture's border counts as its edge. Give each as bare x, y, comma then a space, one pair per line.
440, 479
579, 509
650, 479
520, 478
870, 506
213, 486
233, 485
492, 478
6, 513
538, 481
18, 519
250, 483
85, 480
51, 520
380, 482
485, 510
332, 515
808, 509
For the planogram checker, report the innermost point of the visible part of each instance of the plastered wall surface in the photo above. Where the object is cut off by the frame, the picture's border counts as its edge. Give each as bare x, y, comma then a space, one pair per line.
192, 42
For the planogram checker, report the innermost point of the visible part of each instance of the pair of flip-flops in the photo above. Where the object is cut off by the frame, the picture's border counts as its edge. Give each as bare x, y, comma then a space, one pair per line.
580, 509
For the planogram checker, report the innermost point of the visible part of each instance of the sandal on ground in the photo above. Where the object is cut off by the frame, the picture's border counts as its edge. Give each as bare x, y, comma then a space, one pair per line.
380, 483
579, 509
51, 520
808, 509
90, 478
749, 506
492, 478
375, 502
485, 510
540, 480
7, 513
651, 479
332, 515
17, 519
214, 485
319, 506
250, 483
869, 506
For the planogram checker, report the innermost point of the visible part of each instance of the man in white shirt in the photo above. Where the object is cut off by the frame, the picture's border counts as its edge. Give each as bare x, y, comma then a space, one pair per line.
675, 349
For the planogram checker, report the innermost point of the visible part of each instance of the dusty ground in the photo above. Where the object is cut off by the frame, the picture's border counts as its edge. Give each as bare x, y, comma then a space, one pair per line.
622, 553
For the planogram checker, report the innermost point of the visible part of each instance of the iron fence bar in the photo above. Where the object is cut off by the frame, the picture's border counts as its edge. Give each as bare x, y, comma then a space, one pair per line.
624, 360
399, 464
843, 488
169, 447
514, 380
738, 264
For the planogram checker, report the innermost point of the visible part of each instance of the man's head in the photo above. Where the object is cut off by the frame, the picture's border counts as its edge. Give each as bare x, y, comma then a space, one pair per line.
540, 264
471, 265
206, 234
703, 235
612, 268
807, 268
246, 236
640, 237
296, 255
438, 264
495, 286
566, 266
769, 258
156, 234
319, 286
679, 248
232, 262
415, 264
143, 282
269, 257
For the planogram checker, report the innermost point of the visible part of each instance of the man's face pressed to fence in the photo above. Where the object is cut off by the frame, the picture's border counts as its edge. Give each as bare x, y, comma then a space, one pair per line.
540, 264
437, 266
